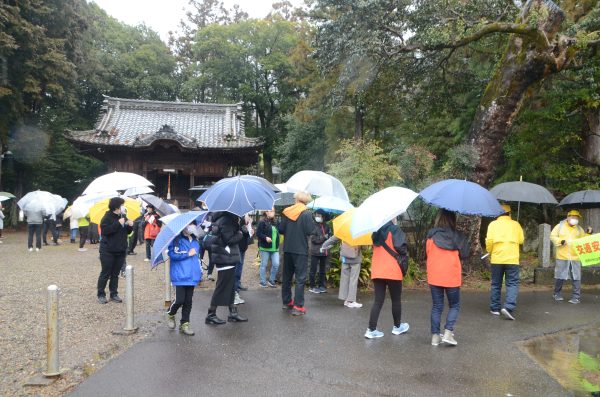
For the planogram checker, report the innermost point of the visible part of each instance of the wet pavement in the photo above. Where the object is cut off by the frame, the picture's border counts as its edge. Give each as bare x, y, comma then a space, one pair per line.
325, 352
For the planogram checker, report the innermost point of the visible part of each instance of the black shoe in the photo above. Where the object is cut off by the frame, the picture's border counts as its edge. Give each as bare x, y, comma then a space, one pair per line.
132, 253
116, 298
213, 319
235, 317
102, 300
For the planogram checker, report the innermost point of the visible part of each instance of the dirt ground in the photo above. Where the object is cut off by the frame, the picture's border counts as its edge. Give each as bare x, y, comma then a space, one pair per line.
86, 327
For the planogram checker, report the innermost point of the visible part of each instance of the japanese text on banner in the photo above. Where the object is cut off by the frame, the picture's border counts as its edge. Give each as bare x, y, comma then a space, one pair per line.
588, 249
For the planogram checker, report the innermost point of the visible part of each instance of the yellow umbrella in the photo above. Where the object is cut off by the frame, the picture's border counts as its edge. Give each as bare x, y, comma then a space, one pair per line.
341, 229
99, 209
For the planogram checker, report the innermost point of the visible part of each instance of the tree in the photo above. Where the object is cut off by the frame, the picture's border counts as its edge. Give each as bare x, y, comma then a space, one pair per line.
303, 148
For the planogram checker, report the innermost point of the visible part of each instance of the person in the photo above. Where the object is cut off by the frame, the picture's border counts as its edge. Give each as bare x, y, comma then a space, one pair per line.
185, 275
49, 224
206, 226
1, 221
34, 225
113, 248
268, 248
445, 248
151, 229
504, 236
84, 228
297, 226
318, 258
94, 233
567, 259
225, 253
388, 266
133, 238
351, 258
58, 228
247, 232
74, 226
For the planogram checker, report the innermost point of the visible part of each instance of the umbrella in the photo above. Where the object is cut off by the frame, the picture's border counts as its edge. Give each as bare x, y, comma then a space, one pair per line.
380, 208
170, 230
464, 197
168, 218
317, 183
41, 201
282, 187
99, 209
582, 199
284, 199
330, 204
523, 192
341, 229
263, 181
116, 181
4, 198
136, 191
162, 207
7, 194
82, 204
238, 196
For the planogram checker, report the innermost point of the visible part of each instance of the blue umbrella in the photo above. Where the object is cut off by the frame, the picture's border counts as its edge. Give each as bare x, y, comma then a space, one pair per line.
238, 196
170, 230
330, 204
464, 197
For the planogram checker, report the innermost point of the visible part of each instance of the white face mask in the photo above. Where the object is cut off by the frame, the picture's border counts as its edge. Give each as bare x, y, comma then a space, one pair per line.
318, 219
573, 221
123, 210
191, 229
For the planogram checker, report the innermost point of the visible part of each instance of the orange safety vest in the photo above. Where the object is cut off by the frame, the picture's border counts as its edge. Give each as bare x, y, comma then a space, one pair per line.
383, 265
443, 266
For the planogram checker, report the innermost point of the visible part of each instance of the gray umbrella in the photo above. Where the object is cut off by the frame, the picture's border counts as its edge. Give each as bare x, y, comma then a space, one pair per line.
582, 199
523, 192
161, 206
284, 199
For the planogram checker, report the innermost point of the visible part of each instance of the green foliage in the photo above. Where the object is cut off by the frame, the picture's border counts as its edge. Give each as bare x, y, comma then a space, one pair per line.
335, 267
303, 148
364, 168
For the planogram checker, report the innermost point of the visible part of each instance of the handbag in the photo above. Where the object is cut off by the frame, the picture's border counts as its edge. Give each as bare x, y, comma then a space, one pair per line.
403, 264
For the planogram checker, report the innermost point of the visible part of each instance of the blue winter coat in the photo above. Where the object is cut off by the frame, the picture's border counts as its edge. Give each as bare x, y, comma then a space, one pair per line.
185, 269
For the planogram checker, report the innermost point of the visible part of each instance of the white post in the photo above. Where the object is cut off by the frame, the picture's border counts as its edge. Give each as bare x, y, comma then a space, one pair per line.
129, 297
53, 365
167, 279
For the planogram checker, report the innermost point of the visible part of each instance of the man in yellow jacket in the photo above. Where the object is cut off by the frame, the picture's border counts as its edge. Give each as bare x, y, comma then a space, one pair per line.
504, 236
567, 260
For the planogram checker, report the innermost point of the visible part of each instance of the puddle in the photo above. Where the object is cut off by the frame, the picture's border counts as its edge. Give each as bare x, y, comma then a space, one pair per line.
571, 357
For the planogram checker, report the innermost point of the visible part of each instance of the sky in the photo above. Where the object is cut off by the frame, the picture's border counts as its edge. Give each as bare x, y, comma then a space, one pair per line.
164, 15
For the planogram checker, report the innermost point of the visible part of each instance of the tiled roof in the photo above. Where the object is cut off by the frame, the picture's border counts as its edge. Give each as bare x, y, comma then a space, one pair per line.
139, 123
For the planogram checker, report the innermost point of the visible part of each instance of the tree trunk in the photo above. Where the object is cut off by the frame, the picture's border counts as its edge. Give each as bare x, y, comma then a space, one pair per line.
526, 62
268, 166
592, 137
359, 120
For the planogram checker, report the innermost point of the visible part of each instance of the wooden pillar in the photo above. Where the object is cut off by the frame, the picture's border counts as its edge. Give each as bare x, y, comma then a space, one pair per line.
192, 204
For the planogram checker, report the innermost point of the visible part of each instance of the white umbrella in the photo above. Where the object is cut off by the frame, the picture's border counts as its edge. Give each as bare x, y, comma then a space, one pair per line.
317, 183
4, 198
82, 204
380, 208
136, 191
42, 201
330, 204
282, 187
116, 181
168, 218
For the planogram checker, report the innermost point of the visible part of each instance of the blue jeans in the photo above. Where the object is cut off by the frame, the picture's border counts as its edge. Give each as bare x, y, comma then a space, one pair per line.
73, 234
510, 274
238, 271
437, 296
264, 260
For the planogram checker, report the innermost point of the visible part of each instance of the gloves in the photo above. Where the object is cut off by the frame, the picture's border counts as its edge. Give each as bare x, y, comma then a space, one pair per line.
563, 242
589, 230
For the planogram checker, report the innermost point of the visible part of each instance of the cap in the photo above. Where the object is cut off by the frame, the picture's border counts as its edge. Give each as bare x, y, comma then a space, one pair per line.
506, 208
574, 213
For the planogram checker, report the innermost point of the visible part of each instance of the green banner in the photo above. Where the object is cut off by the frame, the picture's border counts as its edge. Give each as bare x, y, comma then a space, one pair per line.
588, 249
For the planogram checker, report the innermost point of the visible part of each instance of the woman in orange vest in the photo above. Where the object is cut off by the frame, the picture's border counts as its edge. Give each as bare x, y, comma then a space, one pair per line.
445, 248
389, 262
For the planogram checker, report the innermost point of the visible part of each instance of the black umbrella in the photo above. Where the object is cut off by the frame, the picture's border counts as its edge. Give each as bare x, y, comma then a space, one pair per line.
523, 192
159, 205
582, 199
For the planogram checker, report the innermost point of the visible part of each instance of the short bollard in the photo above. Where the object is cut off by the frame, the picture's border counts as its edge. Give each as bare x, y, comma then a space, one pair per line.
167, 283
129, 296
53, 365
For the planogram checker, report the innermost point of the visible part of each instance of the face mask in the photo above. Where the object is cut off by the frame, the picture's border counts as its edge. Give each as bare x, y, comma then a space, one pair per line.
573, 221
123, 210
191, 229
319, 219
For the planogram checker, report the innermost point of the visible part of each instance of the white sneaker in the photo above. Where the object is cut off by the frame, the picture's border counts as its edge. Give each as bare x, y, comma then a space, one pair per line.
400, 329
449, 338
373, 334
436, 339
237, 300
37, 250
82, 249
354, 305
146, 260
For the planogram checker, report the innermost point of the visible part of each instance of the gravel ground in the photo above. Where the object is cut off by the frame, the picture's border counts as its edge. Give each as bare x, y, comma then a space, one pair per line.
87, 341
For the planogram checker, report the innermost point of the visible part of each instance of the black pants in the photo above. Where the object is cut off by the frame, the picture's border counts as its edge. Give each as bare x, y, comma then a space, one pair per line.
224, 293
83, 235
395, 287
133, 239
37, 229
183, 297
149, 245
294, 265
49, 225
111, 266
321, 262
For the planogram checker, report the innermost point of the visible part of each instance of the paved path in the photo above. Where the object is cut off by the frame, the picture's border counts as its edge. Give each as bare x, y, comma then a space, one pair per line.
324, 352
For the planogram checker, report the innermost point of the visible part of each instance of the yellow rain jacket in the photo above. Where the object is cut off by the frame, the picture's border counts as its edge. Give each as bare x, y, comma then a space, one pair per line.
564, 231
503, 239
